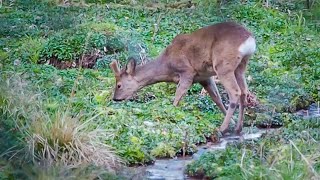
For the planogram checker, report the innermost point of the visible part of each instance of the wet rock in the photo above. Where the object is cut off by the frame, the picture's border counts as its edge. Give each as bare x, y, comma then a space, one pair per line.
17, 62
149, 123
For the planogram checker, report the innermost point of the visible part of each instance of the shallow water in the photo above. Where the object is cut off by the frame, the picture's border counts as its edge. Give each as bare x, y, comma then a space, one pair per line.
312, 111
173, 169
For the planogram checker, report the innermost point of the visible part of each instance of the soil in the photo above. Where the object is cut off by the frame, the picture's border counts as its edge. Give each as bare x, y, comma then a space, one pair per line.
87, 61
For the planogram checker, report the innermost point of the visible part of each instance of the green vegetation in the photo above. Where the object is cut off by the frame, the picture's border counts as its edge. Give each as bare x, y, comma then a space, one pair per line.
70, 44
56, 86
296, 158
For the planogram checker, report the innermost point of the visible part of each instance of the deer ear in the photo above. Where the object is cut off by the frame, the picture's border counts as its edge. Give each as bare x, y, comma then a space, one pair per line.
114, 67
131, 66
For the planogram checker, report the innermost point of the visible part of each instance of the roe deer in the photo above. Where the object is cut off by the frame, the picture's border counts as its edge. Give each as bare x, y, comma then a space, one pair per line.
222, 49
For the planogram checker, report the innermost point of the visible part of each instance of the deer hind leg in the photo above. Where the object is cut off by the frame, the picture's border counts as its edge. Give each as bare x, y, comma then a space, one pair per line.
241, 80
211, 87
226, 74
230, 83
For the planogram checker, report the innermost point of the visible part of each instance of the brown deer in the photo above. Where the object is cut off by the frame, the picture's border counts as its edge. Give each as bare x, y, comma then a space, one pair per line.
222, 49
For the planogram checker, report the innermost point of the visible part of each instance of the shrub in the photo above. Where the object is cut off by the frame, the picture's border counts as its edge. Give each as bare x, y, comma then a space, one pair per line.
70, 45
29, 49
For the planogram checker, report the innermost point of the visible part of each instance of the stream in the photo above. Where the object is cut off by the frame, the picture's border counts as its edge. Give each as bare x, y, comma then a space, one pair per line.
312, 111
173, 169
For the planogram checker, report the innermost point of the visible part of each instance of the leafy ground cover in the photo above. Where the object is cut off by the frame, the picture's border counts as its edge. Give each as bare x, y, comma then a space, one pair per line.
46, 47
296, 158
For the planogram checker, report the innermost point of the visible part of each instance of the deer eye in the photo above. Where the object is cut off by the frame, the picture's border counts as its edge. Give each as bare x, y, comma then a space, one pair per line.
119, 86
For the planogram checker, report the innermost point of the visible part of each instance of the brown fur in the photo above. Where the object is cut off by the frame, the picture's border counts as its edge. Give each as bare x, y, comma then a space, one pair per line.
195, 58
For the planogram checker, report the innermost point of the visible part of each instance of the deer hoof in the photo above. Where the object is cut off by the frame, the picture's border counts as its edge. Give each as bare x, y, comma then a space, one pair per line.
238, 131
215, 138
224, 130
175, 103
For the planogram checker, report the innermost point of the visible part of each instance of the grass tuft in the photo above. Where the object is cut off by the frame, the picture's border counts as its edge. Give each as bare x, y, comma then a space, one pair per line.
57, 139
66, 141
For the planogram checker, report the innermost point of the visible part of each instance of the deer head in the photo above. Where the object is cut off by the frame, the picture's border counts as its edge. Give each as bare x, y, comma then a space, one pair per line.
126, 84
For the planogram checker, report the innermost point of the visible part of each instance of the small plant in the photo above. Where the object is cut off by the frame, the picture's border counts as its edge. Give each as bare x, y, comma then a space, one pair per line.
66, 46
29, 49
163, 150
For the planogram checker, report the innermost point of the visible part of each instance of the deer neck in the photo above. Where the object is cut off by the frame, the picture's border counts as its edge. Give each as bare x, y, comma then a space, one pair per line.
153, 72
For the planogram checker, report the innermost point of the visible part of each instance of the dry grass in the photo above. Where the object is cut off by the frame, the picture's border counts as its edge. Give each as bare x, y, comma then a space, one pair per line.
55, 140
68, 142
60, 172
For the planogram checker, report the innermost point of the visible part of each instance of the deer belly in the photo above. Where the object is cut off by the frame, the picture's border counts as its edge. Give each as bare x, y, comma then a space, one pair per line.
205, 73
206, 70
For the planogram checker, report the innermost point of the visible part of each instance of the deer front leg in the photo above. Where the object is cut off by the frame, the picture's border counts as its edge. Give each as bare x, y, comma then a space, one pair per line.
185, 83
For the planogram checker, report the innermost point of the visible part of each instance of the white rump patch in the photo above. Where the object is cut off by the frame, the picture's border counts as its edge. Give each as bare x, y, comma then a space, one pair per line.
248, 47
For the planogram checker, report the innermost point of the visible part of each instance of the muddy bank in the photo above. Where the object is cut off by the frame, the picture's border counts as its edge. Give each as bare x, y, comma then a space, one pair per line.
87, 61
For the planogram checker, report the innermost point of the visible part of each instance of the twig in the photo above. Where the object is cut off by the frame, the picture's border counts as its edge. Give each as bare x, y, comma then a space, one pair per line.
185, 144
156, 27
242, 157
142, 54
